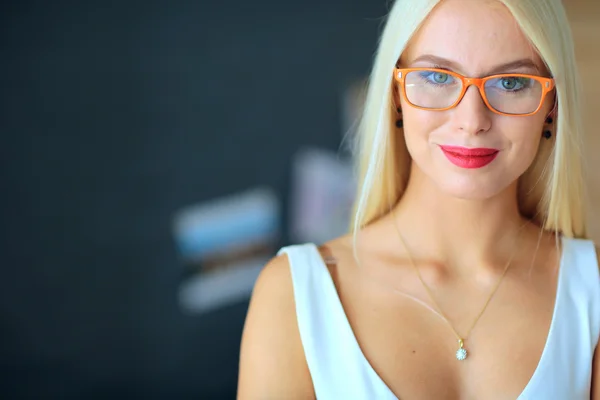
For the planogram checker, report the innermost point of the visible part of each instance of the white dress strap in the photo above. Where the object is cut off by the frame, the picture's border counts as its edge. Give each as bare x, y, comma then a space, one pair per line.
585, 282
337, 365
565, 368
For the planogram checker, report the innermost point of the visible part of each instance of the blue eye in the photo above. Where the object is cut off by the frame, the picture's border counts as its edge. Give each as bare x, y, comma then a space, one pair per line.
438, 78
514, 83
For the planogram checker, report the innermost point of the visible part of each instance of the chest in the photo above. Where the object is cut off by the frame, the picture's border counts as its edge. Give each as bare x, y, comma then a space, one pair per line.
412, 348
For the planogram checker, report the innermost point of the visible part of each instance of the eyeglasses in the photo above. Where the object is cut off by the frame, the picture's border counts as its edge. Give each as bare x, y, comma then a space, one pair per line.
506, 94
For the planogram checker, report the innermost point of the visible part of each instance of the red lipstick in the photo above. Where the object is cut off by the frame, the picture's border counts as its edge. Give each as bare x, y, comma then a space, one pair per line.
469, 158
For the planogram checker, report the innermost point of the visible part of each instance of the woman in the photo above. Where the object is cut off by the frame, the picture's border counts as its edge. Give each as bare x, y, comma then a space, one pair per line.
466, 274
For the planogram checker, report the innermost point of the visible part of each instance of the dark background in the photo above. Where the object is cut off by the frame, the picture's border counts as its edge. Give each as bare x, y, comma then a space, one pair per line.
116, 114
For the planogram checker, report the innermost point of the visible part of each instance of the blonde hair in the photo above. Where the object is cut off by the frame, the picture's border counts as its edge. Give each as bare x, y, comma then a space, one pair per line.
551, 191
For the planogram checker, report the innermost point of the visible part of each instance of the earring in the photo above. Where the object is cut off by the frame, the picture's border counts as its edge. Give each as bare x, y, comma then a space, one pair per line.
399, 122
548, 133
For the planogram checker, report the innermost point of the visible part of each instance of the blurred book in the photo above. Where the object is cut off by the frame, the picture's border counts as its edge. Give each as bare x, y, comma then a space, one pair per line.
322, 195
224, 243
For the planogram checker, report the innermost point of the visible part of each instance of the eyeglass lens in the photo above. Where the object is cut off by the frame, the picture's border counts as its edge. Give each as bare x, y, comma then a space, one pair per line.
507, 94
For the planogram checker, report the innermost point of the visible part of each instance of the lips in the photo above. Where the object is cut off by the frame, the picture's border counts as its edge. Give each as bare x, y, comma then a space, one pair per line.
469, 157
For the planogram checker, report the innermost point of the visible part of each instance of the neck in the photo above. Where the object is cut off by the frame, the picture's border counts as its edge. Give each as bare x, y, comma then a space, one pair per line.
460, 233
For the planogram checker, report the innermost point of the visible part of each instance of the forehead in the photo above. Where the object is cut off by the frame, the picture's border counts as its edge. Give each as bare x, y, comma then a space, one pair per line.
475, 34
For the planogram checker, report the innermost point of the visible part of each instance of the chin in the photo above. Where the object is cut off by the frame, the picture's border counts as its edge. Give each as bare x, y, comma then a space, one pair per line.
471, 188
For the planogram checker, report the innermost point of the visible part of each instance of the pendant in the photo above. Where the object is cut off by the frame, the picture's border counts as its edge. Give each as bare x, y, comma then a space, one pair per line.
461, 353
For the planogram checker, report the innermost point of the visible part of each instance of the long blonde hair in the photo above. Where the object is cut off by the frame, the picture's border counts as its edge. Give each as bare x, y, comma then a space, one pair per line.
551, 191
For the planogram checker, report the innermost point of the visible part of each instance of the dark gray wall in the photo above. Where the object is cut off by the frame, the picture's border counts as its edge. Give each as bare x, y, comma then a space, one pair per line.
114, 115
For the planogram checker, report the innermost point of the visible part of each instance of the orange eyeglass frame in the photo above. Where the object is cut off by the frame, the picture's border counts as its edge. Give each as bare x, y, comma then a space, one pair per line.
547, 86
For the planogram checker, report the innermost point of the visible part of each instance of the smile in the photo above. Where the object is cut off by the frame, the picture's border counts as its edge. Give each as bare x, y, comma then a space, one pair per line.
464, 157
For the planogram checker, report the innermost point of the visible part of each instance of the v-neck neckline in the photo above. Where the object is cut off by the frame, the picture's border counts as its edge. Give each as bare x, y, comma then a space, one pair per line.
537, 373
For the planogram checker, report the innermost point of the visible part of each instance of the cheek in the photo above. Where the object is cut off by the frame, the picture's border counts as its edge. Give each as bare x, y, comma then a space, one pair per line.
422, 133
420, 125
524, 142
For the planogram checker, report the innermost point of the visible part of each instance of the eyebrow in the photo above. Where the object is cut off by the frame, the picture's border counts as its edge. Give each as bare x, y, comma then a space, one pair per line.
442, 62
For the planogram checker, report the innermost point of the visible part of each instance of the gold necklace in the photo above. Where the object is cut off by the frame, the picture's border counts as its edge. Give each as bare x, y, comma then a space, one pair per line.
461, 353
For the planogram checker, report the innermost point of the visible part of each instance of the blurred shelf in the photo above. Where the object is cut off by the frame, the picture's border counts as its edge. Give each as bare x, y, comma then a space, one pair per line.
208, 291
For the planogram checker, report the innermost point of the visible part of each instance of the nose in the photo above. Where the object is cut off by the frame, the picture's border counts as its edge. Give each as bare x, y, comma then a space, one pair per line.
472, 115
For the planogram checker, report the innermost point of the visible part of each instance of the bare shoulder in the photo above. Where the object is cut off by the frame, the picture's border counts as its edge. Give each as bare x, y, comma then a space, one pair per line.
272, 362
272, 359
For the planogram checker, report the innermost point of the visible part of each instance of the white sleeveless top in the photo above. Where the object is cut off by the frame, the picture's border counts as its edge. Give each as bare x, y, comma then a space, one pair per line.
339, 369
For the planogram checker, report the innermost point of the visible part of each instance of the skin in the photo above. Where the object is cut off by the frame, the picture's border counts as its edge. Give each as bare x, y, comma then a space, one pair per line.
461, 226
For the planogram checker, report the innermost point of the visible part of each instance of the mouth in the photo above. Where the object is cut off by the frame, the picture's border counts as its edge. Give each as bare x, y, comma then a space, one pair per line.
470, 158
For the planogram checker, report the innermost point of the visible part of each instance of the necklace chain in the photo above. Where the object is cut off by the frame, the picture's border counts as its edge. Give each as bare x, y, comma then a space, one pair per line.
461, 353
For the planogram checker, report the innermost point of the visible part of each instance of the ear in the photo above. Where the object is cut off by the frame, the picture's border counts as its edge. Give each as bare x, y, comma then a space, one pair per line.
396, 97
554, 110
